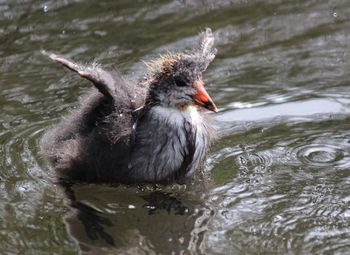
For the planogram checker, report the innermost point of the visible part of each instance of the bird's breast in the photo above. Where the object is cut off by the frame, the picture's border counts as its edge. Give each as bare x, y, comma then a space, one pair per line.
170, 144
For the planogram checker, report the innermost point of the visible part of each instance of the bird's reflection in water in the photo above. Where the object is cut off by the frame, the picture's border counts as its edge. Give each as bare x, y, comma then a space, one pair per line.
158, 200
95, 221
91, 218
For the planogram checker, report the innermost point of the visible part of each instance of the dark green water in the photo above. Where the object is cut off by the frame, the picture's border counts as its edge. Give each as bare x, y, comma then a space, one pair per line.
276, 182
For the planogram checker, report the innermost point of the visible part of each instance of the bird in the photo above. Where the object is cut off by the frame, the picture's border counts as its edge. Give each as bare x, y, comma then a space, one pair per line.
151, 131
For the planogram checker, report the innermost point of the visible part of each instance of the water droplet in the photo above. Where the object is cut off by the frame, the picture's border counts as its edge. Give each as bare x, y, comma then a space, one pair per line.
278, 218
181, 240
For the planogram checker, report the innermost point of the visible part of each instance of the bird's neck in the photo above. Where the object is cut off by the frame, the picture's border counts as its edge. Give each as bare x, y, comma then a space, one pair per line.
177, 116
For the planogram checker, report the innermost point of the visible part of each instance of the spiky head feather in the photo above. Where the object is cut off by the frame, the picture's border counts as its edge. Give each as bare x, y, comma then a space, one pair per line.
198, 58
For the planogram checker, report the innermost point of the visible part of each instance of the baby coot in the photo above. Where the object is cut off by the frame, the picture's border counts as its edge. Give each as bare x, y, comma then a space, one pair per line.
145, 132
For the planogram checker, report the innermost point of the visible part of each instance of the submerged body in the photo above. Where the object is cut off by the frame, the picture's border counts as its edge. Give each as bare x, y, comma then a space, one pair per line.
150, 132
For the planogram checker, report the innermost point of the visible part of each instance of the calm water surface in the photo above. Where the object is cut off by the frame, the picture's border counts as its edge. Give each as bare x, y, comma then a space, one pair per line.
276, 182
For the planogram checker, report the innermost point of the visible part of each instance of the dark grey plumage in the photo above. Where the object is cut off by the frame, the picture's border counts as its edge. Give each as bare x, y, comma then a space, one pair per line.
149, 132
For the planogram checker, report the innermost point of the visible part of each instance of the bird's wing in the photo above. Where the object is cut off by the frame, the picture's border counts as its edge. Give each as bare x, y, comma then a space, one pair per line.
102, 79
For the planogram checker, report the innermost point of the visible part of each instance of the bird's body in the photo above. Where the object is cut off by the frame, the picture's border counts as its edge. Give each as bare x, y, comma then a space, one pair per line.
151, 132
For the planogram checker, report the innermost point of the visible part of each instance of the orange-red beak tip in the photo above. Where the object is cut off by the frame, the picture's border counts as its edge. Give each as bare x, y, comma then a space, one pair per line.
202, 97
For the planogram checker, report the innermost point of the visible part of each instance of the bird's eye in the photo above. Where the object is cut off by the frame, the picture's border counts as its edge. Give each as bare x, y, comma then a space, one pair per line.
180, 83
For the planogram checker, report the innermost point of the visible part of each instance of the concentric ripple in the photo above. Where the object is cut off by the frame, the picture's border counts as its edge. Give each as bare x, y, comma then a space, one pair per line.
319, 150
322, 155
288, 190
26, 192
20, 151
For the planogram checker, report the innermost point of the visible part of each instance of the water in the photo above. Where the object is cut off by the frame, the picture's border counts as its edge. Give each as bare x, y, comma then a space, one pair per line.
277, 181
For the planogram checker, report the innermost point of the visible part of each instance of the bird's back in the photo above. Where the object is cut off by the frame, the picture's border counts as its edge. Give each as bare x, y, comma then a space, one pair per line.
92, 141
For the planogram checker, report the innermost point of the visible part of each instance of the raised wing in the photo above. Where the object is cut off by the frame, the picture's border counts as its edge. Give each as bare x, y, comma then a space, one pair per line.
102, 79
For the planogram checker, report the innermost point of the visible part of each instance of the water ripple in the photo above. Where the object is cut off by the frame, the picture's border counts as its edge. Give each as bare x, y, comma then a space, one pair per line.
285, 192
322, 155
278, 180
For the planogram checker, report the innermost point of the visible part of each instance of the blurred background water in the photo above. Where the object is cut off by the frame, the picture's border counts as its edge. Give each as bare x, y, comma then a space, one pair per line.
276, 182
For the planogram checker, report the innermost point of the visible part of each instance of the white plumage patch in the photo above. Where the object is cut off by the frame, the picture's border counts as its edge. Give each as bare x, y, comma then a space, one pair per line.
176, 116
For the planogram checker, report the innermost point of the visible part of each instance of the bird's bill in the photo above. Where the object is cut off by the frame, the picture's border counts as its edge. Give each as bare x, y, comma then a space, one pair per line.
202, 98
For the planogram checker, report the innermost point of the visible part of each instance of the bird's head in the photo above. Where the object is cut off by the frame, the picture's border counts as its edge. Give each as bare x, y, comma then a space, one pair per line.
175, 80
